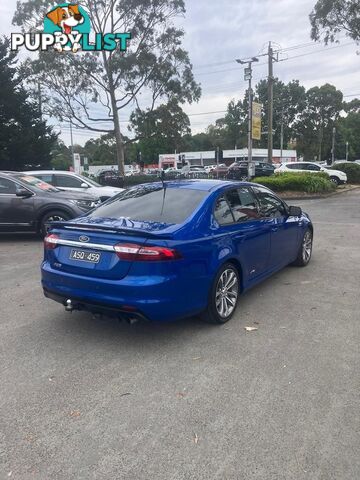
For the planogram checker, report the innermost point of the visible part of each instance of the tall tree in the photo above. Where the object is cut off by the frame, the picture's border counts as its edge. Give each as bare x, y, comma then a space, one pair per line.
331, 17
25, 140
95, 89
315, 124
289, 102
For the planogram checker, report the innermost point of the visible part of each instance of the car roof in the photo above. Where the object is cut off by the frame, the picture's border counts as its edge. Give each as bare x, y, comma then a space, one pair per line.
33, 172
201, 184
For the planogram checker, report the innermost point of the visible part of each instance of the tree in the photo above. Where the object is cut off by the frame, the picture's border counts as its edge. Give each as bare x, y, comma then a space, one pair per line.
348, 129
331, 17
314, 126
25, 140
289, 102
60, 156
94, 88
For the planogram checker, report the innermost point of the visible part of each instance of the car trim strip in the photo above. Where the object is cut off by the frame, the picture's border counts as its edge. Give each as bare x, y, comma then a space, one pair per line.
95, 246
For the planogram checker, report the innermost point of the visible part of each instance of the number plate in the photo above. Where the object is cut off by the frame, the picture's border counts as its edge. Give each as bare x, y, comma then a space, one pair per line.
84, 256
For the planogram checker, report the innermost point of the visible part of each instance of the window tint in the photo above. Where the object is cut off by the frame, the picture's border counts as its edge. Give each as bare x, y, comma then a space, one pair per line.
294, 166
271, 206
222, 212
314, 168
7, 187
153, 204
243, 204
48, 178
37, 183
67, 181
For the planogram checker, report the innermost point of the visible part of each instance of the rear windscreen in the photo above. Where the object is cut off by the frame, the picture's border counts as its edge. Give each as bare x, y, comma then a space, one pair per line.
152, 204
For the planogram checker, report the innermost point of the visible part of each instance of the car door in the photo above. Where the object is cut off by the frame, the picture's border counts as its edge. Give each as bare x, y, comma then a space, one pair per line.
284, 229
68, 182
15, 212
236, 212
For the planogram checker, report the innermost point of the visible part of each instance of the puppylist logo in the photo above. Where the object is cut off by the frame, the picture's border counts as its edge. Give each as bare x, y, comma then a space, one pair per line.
67, 28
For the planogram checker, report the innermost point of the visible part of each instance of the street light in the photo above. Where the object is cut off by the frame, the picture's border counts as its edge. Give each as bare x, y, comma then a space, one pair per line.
347, 151
248, 77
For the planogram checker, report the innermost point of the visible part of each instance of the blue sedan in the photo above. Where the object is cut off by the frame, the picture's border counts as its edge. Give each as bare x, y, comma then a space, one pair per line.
169, 250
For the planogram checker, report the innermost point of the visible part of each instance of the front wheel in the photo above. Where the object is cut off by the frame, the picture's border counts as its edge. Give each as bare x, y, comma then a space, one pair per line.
305, 251
52, 216
224, 296
335, 180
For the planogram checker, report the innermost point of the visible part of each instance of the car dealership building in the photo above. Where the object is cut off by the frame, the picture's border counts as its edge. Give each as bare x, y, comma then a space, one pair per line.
229, 156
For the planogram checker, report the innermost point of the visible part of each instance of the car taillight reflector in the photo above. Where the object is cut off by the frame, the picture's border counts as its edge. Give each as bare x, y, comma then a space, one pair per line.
51, 241
132, 251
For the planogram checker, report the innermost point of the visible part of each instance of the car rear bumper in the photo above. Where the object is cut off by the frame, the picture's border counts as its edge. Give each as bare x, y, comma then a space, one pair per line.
157, 298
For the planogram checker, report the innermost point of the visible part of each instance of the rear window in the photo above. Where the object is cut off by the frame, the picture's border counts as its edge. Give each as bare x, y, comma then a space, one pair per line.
152, 204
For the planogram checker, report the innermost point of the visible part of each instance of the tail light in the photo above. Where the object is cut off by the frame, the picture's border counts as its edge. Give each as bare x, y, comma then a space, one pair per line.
51, 241
132, 251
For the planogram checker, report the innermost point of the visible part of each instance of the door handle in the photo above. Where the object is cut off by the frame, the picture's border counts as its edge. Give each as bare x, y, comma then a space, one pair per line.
274, 229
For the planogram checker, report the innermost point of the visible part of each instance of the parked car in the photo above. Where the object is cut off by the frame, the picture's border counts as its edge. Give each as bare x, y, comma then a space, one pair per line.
28, 204
336, 176
219, 170
239, 170
167, 251
110, 178
209, 168
64, 180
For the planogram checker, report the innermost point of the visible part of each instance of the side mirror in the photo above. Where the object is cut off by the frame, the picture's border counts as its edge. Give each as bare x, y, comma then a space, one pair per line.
24, 193
295, 212
84, 185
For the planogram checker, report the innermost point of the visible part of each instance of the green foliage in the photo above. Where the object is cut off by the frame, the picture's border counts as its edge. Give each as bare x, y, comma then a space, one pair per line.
315, 123
352, 171
298, 182
331, 17
289, 102
25, 140
348, 129
92, 88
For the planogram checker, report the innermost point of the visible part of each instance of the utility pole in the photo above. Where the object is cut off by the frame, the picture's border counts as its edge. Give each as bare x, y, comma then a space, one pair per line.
271, 59
248, 77
72, 146
333, 146
347, 151
217, 161
282, 136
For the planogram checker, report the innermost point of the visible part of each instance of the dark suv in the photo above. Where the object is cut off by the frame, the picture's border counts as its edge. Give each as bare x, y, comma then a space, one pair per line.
239, 170
28, 204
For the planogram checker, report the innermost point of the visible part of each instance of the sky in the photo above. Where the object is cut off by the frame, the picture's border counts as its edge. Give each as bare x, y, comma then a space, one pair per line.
216, 33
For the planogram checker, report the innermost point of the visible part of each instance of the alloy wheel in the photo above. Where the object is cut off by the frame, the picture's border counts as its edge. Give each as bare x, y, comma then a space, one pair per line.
307, 247
227, 291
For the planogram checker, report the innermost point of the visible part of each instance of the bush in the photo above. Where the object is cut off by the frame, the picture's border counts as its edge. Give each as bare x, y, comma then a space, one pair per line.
352, 171
298, 182
139, 179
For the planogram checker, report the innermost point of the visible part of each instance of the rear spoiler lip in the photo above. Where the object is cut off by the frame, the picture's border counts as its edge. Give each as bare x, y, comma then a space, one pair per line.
106, 228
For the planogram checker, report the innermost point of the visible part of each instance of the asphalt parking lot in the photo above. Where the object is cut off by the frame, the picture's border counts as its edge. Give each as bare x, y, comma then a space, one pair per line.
85, 398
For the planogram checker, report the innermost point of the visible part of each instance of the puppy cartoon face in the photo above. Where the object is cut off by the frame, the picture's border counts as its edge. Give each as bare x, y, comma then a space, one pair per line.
66, 17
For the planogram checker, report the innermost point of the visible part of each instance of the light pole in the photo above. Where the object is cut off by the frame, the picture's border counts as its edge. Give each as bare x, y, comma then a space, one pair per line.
333, 147
347, 151
248, 77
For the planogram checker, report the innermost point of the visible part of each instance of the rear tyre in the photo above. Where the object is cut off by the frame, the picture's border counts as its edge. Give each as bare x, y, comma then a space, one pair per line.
305, 250
224, 296
335, 180
52, 216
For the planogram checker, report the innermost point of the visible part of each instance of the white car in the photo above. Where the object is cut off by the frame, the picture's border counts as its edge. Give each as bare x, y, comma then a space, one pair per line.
336, 176
64, 180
